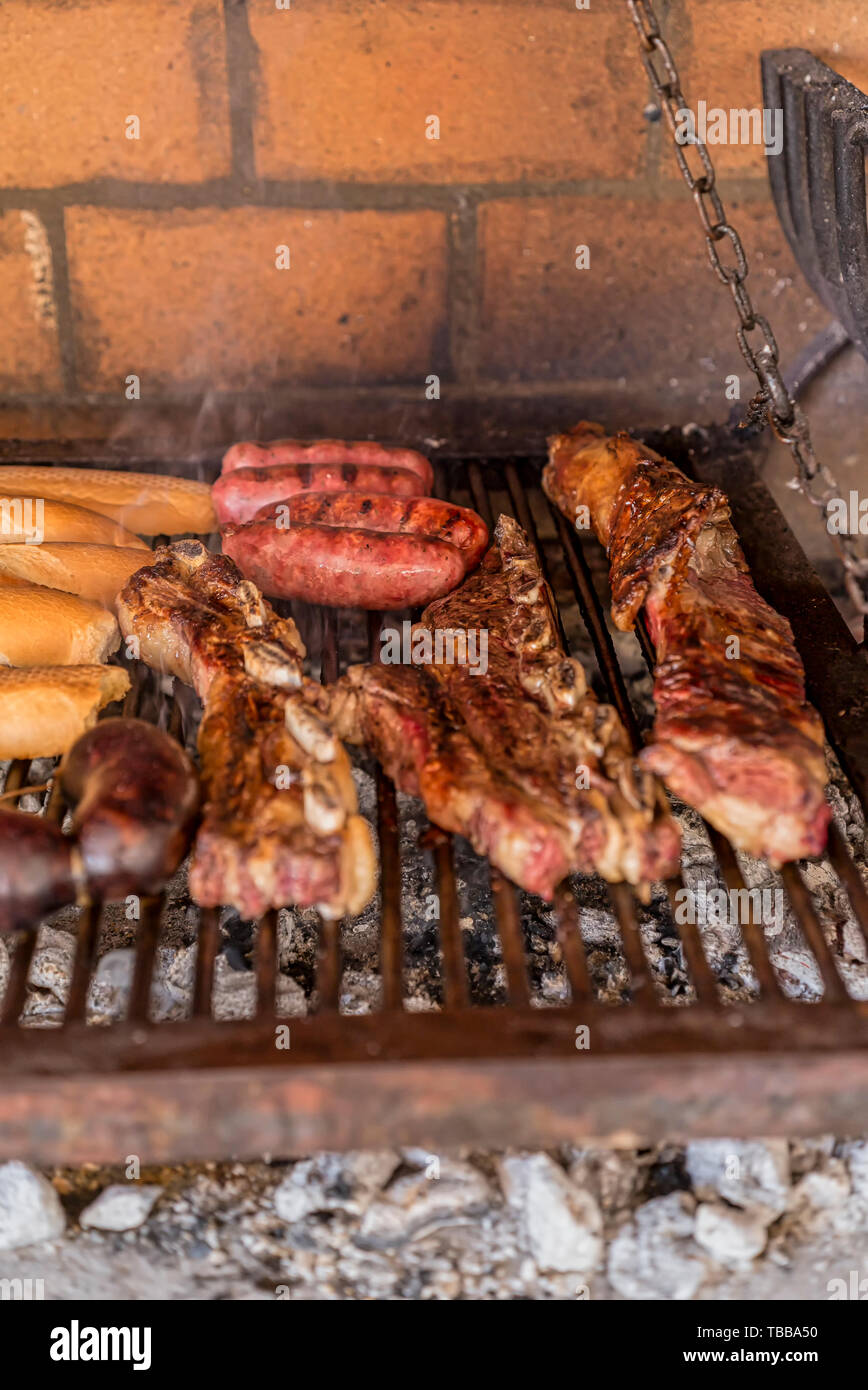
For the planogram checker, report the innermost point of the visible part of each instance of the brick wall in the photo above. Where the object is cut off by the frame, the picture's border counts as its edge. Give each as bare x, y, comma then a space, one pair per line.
304, 128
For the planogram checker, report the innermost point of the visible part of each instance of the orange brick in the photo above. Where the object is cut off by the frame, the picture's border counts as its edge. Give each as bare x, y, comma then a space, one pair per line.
29, 358
541, 90
722, 65
73, 73
647, 306
194, 296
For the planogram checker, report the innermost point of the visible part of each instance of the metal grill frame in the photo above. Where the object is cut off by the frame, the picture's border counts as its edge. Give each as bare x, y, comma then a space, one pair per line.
491, 1075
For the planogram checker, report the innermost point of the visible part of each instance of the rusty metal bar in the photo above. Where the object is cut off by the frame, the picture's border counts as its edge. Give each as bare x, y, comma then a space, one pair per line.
642, 982
479, 493
842, 862
391, 927
451, 944
207, 942
701, 973
800, 900
328, 965
16, 983
85, 954
147, 936
595, 623
571, 944
266, 963
506, 911
752, 931
329, 663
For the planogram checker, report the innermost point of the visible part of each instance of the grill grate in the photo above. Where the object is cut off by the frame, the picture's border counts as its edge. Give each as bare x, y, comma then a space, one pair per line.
507, 1072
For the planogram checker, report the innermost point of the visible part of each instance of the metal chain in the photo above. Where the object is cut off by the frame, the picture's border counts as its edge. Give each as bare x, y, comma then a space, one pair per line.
784, 415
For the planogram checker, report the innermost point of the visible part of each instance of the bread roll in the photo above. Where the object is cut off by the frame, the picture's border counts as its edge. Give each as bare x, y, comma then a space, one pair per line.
150, 504
43, 627
97, 572
40, 520
44, 709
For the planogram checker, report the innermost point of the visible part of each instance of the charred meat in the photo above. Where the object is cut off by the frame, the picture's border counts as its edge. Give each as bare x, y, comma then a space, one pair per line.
520, 758
280, 822
734, 736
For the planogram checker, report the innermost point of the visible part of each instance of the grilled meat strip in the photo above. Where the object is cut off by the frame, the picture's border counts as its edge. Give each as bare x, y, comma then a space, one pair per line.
520, 759
734, 737
280, 822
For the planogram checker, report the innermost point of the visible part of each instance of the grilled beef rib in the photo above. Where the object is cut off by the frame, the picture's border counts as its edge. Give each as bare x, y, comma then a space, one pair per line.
280, 822
734, 737
520, 759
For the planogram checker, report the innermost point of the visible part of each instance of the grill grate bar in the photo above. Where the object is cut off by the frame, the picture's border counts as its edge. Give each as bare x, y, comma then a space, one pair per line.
800, 900
85, 955
147, 936
753, 932
625, 911
508, 915
842, 862
16, 984
207, 943
391, 934
328, 966
592, 616
266, 964
571, 944
451, 943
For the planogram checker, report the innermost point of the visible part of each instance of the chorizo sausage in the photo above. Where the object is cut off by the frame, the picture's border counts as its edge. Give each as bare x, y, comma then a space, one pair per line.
253, 454
353, 550
240, 494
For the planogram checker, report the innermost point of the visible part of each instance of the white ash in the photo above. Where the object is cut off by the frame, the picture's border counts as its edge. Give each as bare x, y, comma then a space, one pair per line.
727, 1234
30, 1209
421, 1202
752, 1174
383, 1224
561, 1221
654, 1256
121, 1207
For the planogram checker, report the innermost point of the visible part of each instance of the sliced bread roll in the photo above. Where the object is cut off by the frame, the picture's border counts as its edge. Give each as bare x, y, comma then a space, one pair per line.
148, 503
33, 520
44, 627
96, 572
44, 709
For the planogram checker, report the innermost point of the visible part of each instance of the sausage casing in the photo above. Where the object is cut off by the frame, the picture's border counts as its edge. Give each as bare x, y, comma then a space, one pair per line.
240, 494
135, 796
352, 550
36, 869
253, 454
